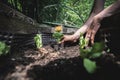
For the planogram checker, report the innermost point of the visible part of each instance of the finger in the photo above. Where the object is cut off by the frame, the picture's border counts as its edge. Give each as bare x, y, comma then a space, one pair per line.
62, 41
92, 38
74, 40
65, 38
95, 29
88, 35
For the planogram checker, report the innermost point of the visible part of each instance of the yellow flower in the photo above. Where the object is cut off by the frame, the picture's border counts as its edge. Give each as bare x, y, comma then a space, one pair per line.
58, 28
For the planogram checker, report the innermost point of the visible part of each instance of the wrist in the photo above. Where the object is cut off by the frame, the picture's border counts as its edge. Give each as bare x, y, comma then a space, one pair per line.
76, 35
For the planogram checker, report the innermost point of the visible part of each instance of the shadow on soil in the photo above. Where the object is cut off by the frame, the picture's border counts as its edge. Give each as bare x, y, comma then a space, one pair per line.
72, 69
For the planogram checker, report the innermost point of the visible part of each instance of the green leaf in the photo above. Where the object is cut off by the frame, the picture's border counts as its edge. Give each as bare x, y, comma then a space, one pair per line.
82, 41
38, 40
98, 47
2, 46
85, 52
4, 49
58, 36
89, 65
95, 55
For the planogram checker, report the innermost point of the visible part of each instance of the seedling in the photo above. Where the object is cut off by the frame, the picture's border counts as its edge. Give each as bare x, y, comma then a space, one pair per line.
38, 41
90, 53
4, 49
58, 33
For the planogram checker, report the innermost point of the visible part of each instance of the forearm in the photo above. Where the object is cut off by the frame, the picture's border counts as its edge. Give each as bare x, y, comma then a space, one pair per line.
109, 11
98, 6
99, 15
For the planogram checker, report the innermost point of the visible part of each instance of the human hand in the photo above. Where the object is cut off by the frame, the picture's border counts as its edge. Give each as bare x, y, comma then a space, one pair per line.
92, 30
72, 38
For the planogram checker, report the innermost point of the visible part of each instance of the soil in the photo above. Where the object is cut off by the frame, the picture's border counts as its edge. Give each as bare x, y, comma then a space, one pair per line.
49, 64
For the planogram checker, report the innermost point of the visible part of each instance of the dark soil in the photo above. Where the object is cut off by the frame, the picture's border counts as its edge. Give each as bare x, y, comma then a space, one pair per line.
48, 64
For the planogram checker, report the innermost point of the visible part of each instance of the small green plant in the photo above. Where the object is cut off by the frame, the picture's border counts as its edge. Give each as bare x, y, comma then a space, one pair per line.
38, 40
4, 49
58, 36
57, 33
90, 53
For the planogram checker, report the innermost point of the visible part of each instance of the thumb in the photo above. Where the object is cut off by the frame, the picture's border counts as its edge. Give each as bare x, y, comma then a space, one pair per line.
63, 39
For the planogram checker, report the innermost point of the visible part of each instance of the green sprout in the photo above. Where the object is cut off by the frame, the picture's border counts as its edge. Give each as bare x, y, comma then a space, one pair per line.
38, 40
58, 35
90, 53
4, 49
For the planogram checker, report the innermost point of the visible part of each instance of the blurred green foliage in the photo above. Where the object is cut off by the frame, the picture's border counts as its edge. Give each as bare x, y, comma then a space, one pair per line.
67, 12
109, 2
89, 53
